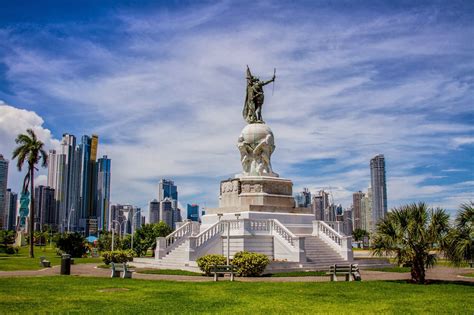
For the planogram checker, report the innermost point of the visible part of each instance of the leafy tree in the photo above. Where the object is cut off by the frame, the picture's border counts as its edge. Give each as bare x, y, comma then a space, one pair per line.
30, 150
105, 241
7, 238
412, 232
145, 237
73, 244
459, 244
359, 234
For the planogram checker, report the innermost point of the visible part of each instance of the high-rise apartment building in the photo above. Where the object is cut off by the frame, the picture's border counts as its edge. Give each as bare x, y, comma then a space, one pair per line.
3, 189
45, 207
358, 207
320, 204
193, 212
166, 211
11, 199
154, 211
88, 183
167, 190
379, 188
103, 192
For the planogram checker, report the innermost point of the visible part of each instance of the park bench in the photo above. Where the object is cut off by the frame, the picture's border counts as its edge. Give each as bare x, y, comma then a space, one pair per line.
120, 268
44, 262
224, 269
350, 271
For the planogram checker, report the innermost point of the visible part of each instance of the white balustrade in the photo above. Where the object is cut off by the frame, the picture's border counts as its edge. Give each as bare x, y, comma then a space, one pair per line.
339, 242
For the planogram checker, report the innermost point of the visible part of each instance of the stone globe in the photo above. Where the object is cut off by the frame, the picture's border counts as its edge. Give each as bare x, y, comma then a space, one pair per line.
253, 134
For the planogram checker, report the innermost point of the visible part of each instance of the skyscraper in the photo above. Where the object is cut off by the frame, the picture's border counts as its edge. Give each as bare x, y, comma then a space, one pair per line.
167, 190
45, 207
193, 212
3, 189
319, 205
166, 211
103, 192
154, 211
10, 211
56, 165
379, 188
88, 184
357, 204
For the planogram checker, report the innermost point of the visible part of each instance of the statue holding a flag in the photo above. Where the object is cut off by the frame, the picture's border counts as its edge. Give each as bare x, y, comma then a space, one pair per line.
254, 98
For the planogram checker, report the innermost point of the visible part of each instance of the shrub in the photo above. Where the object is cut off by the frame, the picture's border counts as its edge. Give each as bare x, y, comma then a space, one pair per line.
117, 256
207, 262
250, 264
73, 244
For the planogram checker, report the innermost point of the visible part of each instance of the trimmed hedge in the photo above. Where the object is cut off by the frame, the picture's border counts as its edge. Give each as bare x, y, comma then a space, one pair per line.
250, 264
117, 256
207, 262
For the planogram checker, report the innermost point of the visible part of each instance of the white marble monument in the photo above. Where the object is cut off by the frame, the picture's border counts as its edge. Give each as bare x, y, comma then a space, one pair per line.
256, 212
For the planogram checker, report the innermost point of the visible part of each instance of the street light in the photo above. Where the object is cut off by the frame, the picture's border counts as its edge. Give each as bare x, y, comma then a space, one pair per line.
69, 218
133, 224
113, 231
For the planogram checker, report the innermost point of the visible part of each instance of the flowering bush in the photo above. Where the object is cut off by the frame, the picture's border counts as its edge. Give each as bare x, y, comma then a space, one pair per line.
117, 256
250, 264
207, 262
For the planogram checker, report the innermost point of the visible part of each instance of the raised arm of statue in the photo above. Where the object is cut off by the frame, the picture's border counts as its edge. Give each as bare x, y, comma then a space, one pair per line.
269, 81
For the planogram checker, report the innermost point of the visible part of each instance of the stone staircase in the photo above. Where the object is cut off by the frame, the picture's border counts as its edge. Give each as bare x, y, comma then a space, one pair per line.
319, 256
318, 253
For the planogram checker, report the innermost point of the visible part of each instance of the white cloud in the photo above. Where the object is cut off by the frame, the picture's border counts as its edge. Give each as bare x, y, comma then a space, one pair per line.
14, 121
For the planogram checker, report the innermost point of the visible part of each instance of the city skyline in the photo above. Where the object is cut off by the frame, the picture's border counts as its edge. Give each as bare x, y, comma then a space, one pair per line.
160, 84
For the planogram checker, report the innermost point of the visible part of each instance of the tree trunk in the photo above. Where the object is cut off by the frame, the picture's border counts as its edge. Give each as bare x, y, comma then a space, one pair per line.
418, 271
32, 212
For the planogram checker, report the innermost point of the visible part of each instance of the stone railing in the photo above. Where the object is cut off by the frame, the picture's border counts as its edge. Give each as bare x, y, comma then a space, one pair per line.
166, 244
338, 241
198, 240
287, 246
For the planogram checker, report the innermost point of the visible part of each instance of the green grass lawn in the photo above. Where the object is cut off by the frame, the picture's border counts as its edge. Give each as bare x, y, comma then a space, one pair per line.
297, 274
391, 269
60, 294
169, 272
21, 261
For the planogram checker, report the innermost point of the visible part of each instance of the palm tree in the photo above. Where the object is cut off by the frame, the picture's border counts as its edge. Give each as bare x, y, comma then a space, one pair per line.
30, 150
459, 244
411, 233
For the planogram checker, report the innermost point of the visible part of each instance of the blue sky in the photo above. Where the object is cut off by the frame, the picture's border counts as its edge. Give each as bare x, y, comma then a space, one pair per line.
162, 84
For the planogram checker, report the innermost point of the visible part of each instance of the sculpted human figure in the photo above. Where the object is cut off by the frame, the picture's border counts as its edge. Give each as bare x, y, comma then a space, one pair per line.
245, 154
254, 98
262, 154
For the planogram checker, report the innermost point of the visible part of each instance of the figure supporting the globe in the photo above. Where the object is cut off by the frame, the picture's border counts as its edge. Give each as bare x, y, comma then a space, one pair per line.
256, 145
254, 98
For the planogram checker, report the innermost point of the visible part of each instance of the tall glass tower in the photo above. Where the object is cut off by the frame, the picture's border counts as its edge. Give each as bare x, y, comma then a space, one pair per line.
88, 184
3, 189
103, 192
379, 188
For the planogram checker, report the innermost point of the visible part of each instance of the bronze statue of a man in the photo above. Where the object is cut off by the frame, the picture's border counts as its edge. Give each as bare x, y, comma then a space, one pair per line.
254, 98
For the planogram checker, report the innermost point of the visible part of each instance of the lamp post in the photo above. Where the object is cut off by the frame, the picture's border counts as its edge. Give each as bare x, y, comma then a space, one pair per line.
113, 232
69, 218
133, 225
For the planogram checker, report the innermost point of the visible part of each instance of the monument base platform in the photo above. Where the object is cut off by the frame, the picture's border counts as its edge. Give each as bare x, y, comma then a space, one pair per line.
257, 193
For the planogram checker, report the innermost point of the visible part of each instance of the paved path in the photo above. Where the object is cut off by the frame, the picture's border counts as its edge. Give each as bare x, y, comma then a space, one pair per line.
90, 270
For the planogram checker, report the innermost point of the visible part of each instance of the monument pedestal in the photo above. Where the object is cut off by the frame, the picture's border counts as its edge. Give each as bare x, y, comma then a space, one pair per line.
256, 193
